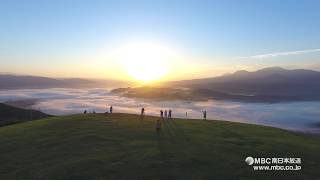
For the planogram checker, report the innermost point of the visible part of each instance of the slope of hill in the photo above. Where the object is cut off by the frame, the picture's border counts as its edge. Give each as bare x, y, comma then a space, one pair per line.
122, 146
12, 115
267, 81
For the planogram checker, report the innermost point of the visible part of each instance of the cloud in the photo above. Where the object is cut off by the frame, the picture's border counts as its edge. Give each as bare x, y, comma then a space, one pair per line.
271, 55
70, 101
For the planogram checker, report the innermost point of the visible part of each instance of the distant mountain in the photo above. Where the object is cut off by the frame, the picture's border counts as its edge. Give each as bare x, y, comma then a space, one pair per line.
267, 81
12, 115
196, 94
18, 82
268, 85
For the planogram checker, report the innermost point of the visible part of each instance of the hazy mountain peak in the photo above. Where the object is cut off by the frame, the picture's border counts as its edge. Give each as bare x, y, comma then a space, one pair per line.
268, 81
241, 72
272, 69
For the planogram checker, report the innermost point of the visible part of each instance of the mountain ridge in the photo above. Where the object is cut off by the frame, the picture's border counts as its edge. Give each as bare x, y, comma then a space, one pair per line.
268, 81
11, 81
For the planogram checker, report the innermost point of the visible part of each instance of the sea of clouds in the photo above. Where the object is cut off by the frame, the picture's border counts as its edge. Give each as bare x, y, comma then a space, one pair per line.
301, 116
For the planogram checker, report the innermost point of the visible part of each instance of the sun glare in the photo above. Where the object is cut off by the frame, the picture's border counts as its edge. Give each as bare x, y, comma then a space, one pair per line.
145, 62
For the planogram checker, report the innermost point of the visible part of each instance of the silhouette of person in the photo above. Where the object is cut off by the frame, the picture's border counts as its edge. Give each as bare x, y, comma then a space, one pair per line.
158, 126
204, 114
170, 113
142, 113
161, 113
186, 115
111, 108
165, 114
85, 112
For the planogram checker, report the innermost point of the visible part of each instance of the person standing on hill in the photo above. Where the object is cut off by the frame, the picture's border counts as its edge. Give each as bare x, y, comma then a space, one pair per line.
204, 115
142, 113
170, 113
165, 114
161, 114
111, 108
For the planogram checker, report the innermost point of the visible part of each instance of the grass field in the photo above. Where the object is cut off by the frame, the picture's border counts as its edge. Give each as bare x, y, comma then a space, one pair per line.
122, 146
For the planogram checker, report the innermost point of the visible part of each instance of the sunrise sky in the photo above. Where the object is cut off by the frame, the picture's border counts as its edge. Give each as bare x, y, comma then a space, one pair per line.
152, 40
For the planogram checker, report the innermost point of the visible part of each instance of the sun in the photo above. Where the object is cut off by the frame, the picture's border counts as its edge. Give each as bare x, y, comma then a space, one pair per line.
146, 62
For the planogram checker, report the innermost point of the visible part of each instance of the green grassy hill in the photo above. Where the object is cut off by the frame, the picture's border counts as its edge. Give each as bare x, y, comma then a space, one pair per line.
121, 146
12, 115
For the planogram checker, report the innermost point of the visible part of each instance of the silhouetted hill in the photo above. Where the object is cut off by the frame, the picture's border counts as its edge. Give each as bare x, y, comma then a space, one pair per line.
197, 94
273, 84
12, 115
267, 81
18, 82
